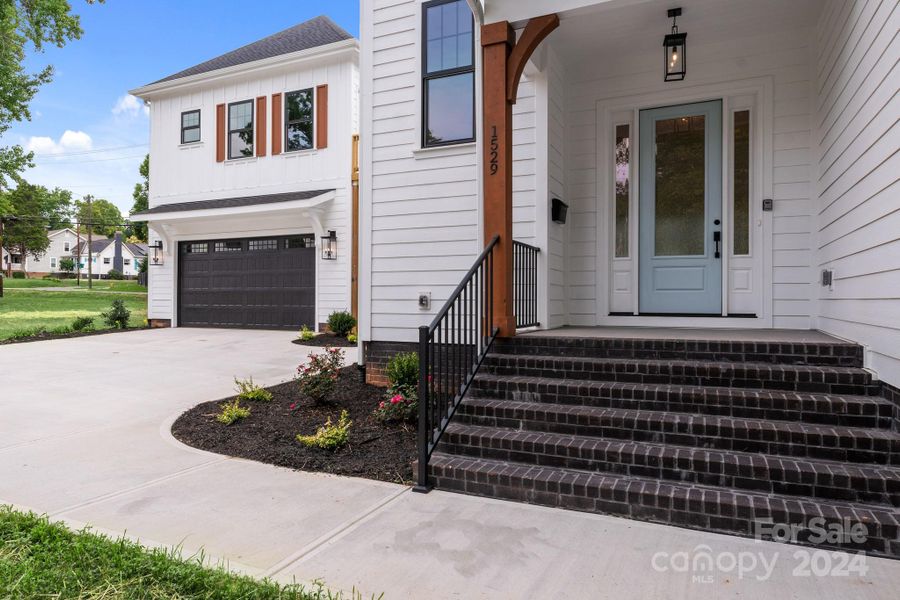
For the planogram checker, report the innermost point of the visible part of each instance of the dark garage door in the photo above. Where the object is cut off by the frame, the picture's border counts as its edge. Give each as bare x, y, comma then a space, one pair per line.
251, 282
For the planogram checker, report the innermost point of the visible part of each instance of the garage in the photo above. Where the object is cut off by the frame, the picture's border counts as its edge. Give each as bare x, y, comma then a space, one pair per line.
260, 282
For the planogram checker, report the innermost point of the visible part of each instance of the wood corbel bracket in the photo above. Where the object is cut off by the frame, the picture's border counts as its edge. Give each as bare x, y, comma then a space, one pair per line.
535, 32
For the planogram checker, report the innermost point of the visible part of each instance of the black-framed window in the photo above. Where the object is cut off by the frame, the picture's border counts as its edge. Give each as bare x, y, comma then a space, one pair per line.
190, 126
298, 120
229, 246
267, 244
300, 241
194, 248
240, 129
448, 73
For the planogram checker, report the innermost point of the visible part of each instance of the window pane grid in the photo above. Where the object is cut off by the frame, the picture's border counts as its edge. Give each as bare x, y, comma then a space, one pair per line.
300, 241
190, 126
240, 129
263, 245
298, 127
228, 246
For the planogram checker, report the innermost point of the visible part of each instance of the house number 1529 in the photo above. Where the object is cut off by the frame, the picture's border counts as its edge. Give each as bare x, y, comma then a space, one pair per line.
495, 150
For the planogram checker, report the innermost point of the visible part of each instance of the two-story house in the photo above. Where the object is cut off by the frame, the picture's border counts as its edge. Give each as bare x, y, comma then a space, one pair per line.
251, 188
649, 252
62, 242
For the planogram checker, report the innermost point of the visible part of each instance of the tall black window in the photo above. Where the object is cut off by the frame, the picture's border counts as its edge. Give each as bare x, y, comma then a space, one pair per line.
190, 126
298, 120
448, 69
240, 129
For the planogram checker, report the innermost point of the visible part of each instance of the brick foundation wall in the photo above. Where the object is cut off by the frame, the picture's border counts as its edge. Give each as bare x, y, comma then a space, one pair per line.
891, 393
160, 323
377, 355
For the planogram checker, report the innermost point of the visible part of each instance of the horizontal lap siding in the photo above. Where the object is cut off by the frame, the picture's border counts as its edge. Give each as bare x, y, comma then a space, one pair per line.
856, 166
785, 57
556, 136
424, 206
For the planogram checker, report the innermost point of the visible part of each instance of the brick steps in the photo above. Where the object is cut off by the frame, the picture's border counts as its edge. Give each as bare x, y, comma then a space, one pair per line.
705, 431
825, 409
687, 505
739, 470
769, 376
828, 353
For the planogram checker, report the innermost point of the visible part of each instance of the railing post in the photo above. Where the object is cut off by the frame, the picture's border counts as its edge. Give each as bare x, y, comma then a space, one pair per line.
424, 403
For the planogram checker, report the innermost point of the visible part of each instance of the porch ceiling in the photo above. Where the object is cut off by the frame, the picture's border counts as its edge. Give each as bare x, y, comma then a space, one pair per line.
606, 30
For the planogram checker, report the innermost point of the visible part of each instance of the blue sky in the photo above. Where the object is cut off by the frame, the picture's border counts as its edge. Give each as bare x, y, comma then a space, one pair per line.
87, 134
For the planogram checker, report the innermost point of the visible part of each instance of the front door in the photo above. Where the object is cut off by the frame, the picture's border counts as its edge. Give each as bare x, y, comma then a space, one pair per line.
680, 220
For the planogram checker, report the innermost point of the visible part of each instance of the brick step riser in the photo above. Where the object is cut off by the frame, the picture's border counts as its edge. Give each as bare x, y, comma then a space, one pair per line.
692, 513
821, 413
738, 439
857, 384
789, 354
710, 472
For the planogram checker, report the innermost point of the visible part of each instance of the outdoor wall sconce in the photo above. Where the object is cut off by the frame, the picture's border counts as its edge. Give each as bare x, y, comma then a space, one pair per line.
674, 45
157, 247
329, 246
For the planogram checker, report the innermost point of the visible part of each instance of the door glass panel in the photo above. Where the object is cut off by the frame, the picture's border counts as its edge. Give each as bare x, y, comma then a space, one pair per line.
680, 186
623, 156
741, 182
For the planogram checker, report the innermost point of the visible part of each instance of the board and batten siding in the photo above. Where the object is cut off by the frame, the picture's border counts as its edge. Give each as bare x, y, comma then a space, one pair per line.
785, 57
189, 172
856, 193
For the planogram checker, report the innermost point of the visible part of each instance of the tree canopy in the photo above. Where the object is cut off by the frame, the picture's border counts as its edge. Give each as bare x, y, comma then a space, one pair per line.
104, 215
25, 23
27, 234
141, 195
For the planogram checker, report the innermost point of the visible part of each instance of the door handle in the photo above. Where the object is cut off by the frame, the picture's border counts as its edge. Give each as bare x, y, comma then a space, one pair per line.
717, 237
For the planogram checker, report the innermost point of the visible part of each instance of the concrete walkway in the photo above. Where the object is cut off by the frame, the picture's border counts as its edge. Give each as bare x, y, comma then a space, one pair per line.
84, 437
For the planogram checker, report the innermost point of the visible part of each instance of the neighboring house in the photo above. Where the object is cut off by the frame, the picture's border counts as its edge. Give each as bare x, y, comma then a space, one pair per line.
62, 241
111, 253
742, 178
250, 183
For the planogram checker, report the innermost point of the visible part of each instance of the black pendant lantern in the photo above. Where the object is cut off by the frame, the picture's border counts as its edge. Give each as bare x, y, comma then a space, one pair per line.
329, 246
674, 46
157, 247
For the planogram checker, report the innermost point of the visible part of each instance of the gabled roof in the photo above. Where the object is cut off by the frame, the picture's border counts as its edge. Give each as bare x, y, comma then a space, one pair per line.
319, 31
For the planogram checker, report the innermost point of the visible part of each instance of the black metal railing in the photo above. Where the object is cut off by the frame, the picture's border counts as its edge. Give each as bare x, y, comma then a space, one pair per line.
525, 284
451, 350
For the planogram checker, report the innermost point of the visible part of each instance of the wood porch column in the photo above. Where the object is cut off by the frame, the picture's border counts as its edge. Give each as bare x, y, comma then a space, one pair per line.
503, 61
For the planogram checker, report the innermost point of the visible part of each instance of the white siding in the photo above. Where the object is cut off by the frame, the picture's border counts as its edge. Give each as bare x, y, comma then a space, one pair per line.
783, 56
185, 173
856, 206
556, 239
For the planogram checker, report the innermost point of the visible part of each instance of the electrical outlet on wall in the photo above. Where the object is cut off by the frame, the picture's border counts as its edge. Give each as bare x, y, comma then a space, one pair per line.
424, 300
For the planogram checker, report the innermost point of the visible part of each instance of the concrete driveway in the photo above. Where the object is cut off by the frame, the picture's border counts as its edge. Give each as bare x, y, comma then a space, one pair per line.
84, 437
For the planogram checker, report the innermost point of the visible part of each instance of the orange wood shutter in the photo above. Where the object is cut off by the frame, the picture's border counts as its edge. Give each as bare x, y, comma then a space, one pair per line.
322, 116
220, 133
261, 126
276, 124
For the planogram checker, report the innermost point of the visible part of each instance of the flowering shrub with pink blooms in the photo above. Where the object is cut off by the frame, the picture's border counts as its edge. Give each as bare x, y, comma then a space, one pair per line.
317, 378
397, 407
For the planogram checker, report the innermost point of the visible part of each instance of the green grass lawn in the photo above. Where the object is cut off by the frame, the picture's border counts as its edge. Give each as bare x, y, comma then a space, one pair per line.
99, 285
30, 308
39, 559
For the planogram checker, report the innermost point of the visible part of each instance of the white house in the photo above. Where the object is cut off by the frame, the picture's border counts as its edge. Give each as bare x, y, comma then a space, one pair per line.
110, 253
695, 201
62, 241
250, 183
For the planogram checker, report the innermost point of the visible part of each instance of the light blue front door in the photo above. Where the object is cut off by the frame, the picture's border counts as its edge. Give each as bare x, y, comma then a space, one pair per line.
680, 220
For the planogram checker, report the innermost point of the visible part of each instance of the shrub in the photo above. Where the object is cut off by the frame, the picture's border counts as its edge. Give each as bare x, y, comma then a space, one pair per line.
83, 324
341, 323
114, 274
329, 437
61, 330
397, 408
27, 332
352, 338
51, 278
403, 371
249, 391
317, 378
18, 275
67, 265
232, 411
117, 316
306, 334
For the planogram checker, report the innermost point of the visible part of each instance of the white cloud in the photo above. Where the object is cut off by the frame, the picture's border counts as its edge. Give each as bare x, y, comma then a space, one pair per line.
69, 141
131, 106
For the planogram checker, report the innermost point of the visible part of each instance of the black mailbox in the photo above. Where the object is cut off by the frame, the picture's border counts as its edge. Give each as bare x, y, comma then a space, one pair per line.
558, 210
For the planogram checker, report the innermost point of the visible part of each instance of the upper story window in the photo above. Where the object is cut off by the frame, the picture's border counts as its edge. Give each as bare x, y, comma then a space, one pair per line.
448, 73
298, 120
240, 129
190, 126
66, 247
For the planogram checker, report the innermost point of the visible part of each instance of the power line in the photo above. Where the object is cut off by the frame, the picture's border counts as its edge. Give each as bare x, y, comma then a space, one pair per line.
94, 151
81, 162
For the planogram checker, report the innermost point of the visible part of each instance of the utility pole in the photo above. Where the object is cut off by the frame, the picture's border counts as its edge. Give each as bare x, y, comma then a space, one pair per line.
90, 199
1, 254
78, 253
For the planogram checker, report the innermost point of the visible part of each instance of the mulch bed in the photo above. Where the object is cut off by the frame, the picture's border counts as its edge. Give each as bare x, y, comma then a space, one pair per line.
376, 451
325, 339
61, 336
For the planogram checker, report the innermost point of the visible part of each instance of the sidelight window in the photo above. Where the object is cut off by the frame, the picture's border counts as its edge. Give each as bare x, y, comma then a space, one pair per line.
623, 192
741, 182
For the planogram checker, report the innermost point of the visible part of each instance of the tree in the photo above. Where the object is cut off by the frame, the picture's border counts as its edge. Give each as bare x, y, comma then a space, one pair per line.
56, 207
66, 264
24, 22
27, 234
141, 195
105, 216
